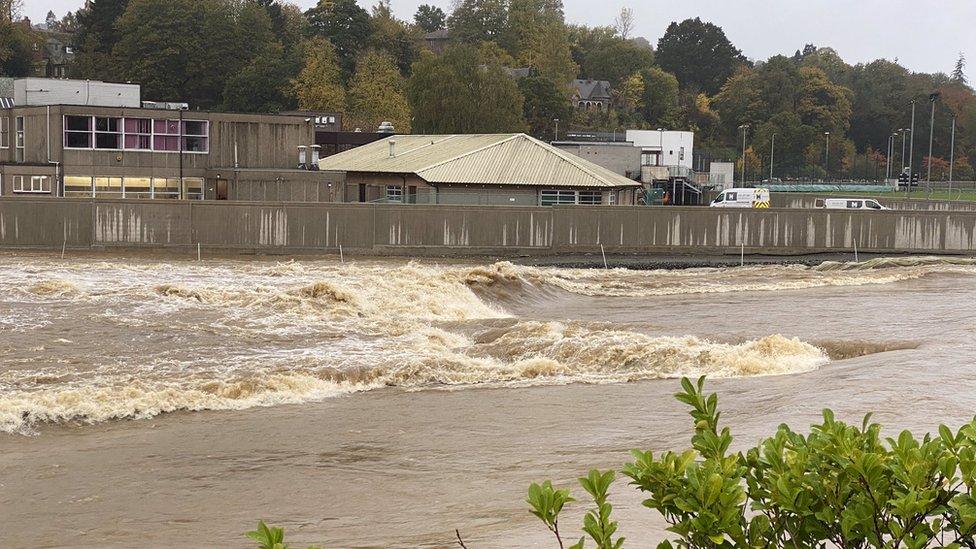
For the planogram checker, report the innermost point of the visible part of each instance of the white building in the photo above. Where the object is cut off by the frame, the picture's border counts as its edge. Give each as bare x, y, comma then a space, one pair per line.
30, 92
664, 147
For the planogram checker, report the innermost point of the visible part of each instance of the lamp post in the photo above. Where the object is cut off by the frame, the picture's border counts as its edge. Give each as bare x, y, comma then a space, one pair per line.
952, 153
933, 97
904, 133
911, 152
827, 156
891, 146
772, 148
744, 127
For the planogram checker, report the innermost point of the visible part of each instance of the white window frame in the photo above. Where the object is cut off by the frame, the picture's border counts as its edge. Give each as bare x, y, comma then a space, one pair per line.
181, 135
118, 133
39, 184
394, 193
20, 138
590, 195
557, 197
4, 132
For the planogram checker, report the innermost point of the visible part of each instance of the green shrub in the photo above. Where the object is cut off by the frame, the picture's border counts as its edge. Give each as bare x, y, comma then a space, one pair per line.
270, 537
840, 485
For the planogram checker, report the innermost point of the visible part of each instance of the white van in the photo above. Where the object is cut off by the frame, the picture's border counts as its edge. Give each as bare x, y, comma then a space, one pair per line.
849, 204
742, 198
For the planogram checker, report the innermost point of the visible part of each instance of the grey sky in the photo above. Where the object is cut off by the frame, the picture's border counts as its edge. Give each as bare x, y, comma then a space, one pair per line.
924, 36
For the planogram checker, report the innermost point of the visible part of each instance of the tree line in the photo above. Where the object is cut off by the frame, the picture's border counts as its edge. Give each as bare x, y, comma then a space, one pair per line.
270, 56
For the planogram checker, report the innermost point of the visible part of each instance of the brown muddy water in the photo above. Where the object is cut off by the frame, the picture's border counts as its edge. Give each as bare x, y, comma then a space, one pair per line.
384, 403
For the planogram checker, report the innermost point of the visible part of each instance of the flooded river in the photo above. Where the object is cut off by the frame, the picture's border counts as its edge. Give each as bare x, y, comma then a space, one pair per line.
384, 403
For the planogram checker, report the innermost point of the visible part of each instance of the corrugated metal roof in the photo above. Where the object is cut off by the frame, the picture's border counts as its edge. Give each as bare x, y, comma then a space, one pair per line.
483, 159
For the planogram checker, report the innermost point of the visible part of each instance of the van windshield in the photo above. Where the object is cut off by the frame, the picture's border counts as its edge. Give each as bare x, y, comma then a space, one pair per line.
719, 198
872, 204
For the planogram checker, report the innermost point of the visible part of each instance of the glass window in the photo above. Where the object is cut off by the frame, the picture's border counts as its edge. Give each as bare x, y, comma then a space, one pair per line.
166, 135
108, 187
138, 134
78, 132
138, 187
77, 185
555, 198
108, 133
590, 198
193, 188
4, 132
21, 138
32, 184
195, 135
394, 193
872, 204
166, 187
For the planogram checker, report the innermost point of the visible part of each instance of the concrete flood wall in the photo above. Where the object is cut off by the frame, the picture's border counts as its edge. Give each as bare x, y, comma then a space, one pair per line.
423, 229
896, 201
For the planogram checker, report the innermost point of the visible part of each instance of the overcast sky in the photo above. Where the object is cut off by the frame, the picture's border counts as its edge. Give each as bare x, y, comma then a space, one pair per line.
924, 36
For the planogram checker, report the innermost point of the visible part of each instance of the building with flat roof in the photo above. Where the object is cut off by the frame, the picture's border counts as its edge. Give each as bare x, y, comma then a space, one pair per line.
95, 140
502, 169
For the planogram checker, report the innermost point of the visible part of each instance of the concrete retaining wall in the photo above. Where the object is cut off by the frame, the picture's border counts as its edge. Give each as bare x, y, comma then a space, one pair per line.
418, 229
893, 201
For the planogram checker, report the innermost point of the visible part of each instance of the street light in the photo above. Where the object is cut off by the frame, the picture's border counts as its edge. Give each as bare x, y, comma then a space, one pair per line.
772, 148
911, 152
827, 156
891, 139
904, 133
933, 97
952, 153
743, 127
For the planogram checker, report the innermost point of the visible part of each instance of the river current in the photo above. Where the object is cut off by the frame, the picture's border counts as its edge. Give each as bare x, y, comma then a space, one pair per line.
399, 373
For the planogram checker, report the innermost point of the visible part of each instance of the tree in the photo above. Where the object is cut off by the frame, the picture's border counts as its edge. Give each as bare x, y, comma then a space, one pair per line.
463, 92
429, 18
474, 21
97, 37
958, 75
698, 54
377, 93
659, 105
344, 24
538, 39
318, 86
615, 59
51, 21
178, 50
398, 39
545, 101
15, 48
624, 23
262, 85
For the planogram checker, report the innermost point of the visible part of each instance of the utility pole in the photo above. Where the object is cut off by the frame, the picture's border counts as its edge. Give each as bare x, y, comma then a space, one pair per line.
827, 156
772, 148
952, 153
904, 134
744, 127
911, 153
933, 97
891, 139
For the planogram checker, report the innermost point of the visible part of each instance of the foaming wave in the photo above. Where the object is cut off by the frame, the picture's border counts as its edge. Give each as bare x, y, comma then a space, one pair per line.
892, 262
20, 412
524, 353
634, 283
54, 288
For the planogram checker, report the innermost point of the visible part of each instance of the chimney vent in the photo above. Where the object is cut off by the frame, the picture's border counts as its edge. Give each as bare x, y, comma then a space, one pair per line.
393, 148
